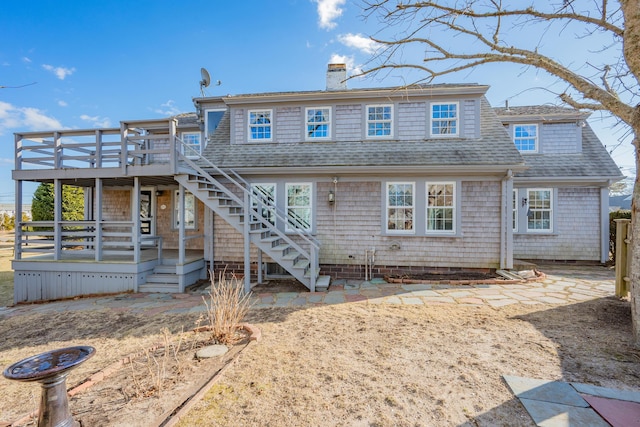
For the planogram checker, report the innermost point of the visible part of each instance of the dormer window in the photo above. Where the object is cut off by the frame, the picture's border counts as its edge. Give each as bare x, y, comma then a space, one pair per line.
379, 121
444, 119
526, 138
260, 125
318, 123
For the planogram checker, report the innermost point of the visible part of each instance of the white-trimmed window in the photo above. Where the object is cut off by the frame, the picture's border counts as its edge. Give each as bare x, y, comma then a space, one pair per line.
540, 212
379, 121
265, 200
441, 203
318, 123
298, 206
260, 125
526, 138
212, 120
514, 210
444, 119
400, 207
191, 146
189, 210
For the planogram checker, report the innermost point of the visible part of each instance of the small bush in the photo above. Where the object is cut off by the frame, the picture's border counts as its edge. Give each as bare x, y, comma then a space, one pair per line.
619, 214
227, 306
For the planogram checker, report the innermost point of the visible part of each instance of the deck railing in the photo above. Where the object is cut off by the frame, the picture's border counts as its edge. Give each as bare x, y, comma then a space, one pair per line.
133, 144
98, 238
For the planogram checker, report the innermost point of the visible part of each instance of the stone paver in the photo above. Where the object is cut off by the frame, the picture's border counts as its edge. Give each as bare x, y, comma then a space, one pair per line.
563, 285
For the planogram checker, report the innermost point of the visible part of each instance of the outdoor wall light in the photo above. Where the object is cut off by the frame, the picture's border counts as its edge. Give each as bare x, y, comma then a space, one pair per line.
332, 197
524, 201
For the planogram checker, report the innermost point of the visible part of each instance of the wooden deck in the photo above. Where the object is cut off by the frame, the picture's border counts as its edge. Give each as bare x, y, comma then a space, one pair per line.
39, 277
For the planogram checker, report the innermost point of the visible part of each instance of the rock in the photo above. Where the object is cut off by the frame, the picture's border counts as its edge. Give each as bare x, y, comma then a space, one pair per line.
211, 351
527, 274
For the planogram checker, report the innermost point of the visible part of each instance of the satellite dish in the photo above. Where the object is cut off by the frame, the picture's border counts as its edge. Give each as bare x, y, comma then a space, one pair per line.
206, 79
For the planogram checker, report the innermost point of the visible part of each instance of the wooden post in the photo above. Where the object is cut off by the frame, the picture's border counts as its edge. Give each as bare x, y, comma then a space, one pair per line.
57, 219
623, 228
247, 243
135, 219
98, 220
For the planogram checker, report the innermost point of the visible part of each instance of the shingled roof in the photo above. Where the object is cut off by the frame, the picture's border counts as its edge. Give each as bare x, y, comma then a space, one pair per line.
494, 150
594, 162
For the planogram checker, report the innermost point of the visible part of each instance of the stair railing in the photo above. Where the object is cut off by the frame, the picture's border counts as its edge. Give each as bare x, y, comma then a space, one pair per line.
184, 152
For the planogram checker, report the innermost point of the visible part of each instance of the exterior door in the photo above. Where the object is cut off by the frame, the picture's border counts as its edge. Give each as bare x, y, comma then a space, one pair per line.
147, 212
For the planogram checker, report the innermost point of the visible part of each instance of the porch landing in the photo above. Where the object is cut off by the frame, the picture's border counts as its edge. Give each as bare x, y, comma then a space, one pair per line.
41, 278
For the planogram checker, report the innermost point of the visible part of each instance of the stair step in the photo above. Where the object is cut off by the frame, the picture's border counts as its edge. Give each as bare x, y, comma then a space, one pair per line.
165, 269
229, 206
322, 283
163, 279
303, 263
159, 288
291, 256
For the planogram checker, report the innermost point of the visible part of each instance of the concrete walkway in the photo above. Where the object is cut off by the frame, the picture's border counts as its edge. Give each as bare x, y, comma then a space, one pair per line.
562, 285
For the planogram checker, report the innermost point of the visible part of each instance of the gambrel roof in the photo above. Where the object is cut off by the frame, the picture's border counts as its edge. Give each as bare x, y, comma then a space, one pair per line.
492, 151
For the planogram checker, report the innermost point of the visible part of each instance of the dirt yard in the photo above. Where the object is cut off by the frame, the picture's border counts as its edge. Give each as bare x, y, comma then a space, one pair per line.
355, 364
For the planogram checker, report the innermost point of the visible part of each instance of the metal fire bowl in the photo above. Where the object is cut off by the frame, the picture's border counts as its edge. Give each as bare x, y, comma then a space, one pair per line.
49, 364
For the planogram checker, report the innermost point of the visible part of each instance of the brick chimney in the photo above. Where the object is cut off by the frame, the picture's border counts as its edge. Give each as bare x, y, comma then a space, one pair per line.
337, 77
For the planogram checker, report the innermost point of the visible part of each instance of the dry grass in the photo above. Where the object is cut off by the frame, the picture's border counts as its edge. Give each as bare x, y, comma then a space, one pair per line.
439, 365
226, 308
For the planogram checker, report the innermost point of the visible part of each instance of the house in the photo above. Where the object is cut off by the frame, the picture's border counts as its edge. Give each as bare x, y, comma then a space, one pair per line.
335, 183
561, 201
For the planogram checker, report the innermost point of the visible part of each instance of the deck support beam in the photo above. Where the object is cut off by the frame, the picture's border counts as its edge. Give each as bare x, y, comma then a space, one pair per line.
18, 221
98, 219
247, 243
135, 218
57, 219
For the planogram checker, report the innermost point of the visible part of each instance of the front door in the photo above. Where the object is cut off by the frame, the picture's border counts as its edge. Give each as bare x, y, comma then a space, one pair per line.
147, 212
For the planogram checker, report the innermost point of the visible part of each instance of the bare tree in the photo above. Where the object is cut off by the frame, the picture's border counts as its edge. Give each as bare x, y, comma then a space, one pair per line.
457, 35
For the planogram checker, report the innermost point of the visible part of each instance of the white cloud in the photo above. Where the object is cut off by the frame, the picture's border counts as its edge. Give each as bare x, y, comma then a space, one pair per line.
25, 118
328, 12
27, 60
62, 103
168, 109
96, 121
60, 72
359, 42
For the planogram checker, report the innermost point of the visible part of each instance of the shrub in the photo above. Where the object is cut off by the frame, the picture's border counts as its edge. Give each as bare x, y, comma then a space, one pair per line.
227, 306
612, 230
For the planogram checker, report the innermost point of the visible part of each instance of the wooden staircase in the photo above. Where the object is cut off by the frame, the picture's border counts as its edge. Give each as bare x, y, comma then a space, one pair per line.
297, 253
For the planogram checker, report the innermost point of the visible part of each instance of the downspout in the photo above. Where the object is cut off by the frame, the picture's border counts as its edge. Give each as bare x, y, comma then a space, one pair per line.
506, 244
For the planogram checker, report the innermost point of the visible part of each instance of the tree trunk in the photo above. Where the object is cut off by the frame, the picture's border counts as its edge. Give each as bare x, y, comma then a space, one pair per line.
635, 248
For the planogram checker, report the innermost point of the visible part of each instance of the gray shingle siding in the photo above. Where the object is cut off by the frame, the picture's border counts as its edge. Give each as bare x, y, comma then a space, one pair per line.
492, 149
560, 138
348, 122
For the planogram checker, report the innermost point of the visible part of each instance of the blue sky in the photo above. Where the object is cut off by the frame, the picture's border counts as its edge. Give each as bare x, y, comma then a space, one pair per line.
97, 63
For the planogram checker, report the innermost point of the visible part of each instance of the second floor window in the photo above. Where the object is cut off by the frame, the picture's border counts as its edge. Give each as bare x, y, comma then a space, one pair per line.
379, 120
444, 119
191, 144
212, 120
260, 123
318, 123
526, 138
